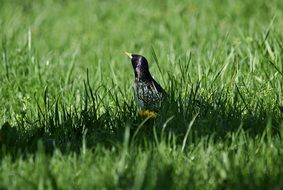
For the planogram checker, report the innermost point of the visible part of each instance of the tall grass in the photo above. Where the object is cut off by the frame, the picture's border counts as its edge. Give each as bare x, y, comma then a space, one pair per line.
68, 115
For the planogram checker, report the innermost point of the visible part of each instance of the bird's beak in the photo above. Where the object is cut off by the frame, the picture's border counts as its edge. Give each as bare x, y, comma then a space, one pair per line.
129, 55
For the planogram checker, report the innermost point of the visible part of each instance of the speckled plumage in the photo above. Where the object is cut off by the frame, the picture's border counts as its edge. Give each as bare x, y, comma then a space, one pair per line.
149, 94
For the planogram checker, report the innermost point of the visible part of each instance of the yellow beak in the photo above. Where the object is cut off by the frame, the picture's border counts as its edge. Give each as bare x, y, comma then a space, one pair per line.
129, 55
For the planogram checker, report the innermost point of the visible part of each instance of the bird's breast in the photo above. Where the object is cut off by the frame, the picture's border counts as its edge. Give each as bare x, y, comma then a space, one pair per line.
146, 94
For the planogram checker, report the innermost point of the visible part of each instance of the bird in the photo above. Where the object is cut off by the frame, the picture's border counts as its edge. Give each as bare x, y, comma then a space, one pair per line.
149, 94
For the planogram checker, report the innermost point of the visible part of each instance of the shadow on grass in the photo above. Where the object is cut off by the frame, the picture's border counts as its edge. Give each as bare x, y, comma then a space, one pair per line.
190, 116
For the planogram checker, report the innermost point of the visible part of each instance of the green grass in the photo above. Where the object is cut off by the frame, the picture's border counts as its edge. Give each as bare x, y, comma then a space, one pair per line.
67, 110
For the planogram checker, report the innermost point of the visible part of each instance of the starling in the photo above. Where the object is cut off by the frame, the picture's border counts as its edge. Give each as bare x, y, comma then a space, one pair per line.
149, 94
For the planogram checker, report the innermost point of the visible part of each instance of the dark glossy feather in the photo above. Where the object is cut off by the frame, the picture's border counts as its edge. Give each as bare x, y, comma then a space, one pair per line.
149, 94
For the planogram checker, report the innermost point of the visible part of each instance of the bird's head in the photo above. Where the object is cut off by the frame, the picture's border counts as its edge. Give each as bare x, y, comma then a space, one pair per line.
140, 65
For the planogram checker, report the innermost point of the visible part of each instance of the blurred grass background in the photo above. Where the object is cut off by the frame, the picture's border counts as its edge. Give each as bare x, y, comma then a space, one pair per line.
220, 60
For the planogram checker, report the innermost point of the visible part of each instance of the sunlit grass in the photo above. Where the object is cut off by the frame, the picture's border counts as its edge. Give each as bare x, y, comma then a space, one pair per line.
68, 114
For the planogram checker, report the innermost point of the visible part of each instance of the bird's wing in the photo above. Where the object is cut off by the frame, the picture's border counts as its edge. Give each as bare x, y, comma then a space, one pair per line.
158, 88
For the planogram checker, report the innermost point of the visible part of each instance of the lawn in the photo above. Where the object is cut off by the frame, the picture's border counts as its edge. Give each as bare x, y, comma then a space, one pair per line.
68, 115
